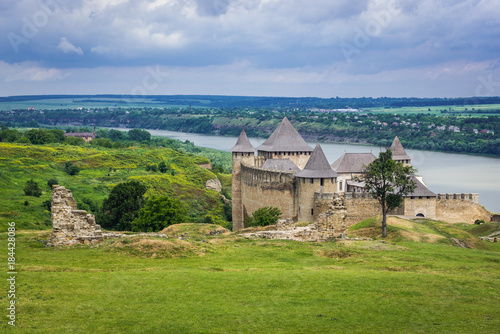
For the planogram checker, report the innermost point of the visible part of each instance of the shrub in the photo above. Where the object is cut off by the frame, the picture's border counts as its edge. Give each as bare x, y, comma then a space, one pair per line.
263, 217
32, 189
52, 182
71, 169
47, 204
75, 141
151, 168
162, 167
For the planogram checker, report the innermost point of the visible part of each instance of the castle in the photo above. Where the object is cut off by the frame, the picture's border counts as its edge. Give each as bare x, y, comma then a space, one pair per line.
287, 173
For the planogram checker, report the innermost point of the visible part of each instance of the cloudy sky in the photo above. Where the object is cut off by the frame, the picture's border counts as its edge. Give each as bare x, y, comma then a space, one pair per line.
324, 48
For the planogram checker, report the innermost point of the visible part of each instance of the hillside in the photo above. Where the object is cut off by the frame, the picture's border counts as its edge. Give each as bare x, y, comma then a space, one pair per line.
101, 169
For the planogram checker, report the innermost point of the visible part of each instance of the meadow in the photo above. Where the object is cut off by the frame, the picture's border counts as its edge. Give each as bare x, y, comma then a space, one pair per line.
228, 283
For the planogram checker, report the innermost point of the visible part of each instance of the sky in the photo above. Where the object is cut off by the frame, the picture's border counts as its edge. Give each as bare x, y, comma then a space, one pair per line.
294, 48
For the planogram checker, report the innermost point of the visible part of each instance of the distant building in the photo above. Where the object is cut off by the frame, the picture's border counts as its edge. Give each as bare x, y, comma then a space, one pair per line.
87, 136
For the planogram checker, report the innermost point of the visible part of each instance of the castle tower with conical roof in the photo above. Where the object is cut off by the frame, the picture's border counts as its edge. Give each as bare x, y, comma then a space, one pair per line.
317, 176
243, 152
286, 143
399, 153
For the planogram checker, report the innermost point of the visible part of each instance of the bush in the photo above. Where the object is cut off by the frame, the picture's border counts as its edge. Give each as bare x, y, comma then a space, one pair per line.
159, 213
71, 169
263, 217
75, 141
162, 167
47, 204
151, 168
32, 189
52, 182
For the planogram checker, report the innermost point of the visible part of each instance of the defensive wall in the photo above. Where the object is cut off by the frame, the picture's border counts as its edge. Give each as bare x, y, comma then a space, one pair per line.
261, 188
460, 208
451, 208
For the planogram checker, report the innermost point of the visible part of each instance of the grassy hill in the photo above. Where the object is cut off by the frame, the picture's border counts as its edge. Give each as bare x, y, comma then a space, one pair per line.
101, 170
420, 230
202, 279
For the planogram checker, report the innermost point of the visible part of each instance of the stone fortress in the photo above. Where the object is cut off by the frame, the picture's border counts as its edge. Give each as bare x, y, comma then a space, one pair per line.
287, 173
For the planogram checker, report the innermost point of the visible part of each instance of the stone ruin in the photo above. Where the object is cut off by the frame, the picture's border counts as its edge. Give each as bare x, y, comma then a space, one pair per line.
329, 225
69, 225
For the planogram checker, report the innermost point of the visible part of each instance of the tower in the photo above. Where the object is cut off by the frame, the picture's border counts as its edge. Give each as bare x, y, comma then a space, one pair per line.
286, 143
243, 153
399, 153
317, 176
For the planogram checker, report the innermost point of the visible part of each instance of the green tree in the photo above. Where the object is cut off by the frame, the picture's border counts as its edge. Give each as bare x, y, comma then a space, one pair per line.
388, 181
122, 206
159, 213
40, 136
263, 217
139, 135
32, 189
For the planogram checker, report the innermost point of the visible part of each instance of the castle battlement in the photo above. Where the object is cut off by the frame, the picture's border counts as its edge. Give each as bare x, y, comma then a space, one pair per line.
463, 196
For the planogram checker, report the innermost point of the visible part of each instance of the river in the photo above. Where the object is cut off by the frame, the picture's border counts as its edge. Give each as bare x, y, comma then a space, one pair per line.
442, 172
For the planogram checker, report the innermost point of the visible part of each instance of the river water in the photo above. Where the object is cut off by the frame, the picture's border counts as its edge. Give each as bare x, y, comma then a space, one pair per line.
442, 172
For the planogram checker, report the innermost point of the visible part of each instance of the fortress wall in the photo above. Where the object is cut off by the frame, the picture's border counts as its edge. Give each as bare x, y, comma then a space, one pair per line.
358, 206
460, 208
424, 206
262, 188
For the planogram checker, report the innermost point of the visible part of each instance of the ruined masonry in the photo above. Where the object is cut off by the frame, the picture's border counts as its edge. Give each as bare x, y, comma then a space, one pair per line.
69, 225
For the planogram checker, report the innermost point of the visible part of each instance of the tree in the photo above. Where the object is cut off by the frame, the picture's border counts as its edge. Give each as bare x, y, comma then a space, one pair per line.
263, 217
32, 189
388, 181
52, 181
122, 206
139, 135
159, 213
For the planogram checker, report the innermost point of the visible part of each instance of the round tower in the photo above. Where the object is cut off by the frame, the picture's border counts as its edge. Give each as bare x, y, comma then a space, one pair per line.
243, 153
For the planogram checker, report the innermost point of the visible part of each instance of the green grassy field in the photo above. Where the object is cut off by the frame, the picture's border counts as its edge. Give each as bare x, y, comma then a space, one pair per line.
436, 110
231, 284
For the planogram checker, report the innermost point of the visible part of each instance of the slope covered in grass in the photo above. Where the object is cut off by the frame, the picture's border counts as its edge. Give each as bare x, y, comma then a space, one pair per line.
421, 230
101, 170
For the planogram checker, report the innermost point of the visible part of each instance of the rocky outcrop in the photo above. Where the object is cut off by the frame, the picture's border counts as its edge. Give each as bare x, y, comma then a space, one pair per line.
214, 184
69, 225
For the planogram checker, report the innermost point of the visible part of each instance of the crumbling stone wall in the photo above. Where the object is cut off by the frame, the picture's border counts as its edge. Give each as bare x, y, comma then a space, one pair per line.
69, 225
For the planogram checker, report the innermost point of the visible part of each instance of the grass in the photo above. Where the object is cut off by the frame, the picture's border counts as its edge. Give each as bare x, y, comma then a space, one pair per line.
224, 283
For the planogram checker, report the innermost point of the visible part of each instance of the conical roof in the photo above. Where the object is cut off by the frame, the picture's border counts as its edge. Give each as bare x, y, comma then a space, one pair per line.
317, 166
243, 144
353, 162
285, 139
398, 152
